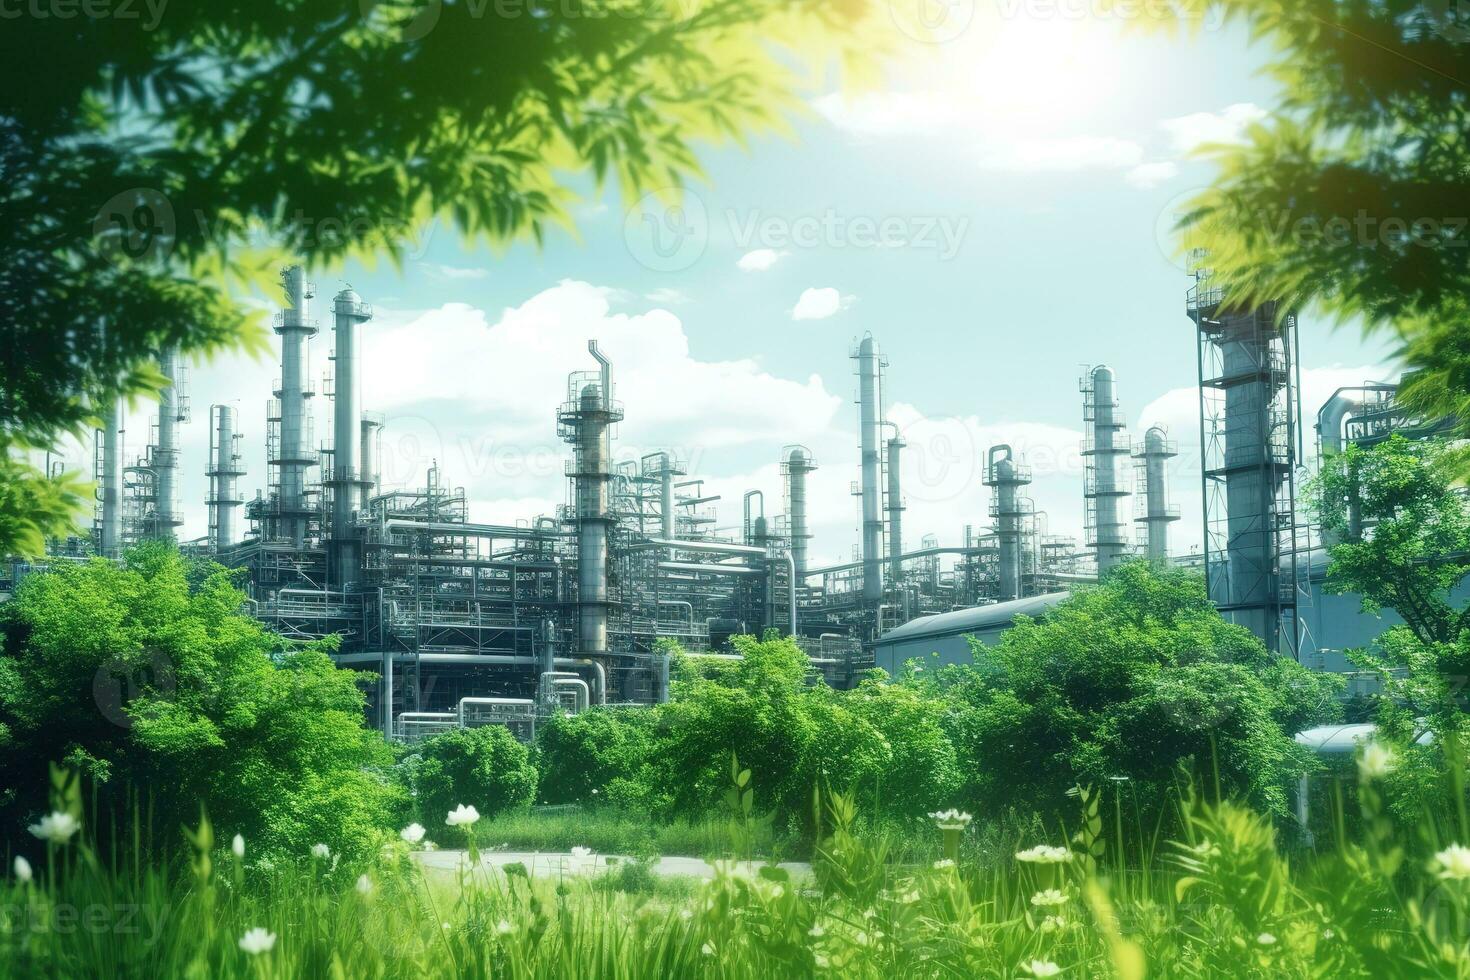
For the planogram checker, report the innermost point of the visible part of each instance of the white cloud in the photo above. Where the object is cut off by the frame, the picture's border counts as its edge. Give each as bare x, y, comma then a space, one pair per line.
1149, 175
760, 259
436, 270
666, 296
1189, 133
818, 303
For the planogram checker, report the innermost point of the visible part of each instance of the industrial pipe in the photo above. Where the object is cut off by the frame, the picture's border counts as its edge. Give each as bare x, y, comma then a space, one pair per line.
110, 490
869, 421
347, 481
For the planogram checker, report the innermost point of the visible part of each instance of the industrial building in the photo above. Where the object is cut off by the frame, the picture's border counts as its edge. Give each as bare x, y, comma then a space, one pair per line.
468, 623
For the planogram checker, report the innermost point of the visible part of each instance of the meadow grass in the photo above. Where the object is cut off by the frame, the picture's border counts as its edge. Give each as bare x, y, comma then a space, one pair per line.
609, 831
1221, 900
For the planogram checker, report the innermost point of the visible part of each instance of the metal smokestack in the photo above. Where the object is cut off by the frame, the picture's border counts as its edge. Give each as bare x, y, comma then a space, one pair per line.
667, 503
869, 421
895, 510
1158, 514
347, 481
295, 326
1104, 489
226, 466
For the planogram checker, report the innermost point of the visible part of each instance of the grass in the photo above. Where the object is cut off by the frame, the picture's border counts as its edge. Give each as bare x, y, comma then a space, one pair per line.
610, 831
1220, 901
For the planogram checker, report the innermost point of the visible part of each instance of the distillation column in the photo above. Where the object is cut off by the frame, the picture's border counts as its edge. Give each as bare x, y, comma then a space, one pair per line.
1104, 449
585, 420
109, 479
1005, 477
347, 481
796, 466
226, 466
1248, 413
869, 412
1158, 514
295, 456
172, 409
371, 429
895, 510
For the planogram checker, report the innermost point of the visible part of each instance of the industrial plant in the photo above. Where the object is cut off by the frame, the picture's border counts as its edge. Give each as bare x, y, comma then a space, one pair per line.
465, 623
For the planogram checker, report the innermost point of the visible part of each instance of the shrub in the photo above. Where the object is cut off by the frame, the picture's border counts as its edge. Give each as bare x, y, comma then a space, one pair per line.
484, 767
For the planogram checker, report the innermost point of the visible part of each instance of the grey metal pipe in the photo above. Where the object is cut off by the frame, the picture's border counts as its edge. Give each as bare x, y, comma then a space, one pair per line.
667, 500
1158, 514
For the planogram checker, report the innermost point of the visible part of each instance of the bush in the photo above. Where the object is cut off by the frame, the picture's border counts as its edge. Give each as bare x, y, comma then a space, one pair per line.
581, 756
148, 679
485, 767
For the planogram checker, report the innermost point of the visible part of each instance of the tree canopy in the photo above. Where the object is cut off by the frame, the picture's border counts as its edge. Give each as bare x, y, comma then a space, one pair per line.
168, 695
173, 156
1128, 681
1351, 197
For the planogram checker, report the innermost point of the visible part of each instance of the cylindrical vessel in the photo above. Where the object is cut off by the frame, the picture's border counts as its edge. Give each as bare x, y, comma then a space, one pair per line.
370, 433
166, 459
225, 469
895, 510
350, 314
1107, 487
869, 436
667, 502
111, 435
799, 464
594, 450
295, 326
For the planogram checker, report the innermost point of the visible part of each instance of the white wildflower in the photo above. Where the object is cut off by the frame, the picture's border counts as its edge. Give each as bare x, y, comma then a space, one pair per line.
412, 834
707, 949
257, 941
1376, 761
57, 827
942, 864
686, 914
1043, 968
364, 885
22, 869
777, 891
237, 847
1454, 862
1044, 854
951, 819
321, 851
909, 897
1052, 923
821, 961
1048, 898
816, 931
504, 928
462, 816
1266, 939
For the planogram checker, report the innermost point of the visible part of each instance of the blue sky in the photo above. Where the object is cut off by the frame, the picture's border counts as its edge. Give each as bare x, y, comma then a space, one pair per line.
1024, 173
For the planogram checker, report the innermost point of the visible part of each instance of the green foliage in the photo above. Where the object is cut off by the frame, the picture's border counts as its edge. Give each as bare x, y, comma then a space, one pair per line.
484, 767
602, 749
1225, 903
1129, 680
166, 147
164, 695
1350, 196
